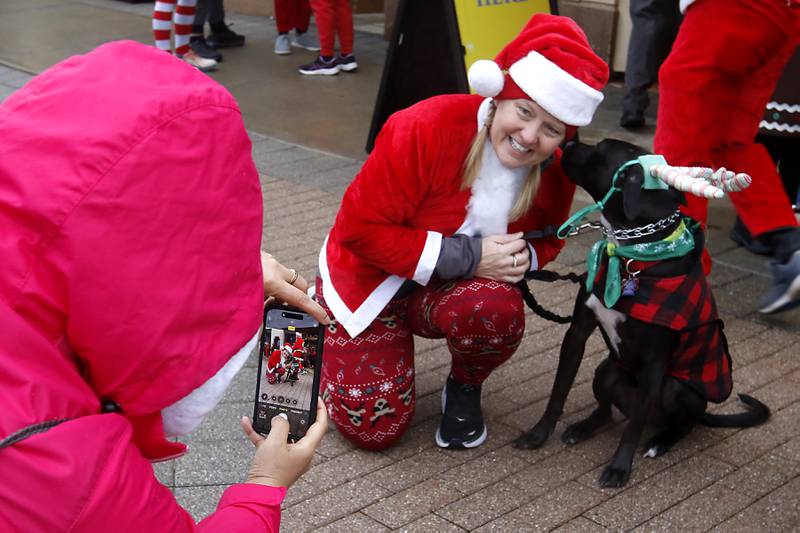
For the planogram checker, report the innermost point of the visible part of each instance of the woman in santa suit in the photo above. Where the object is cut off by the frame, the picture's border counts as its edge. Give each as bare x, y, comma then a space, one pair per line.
428, 239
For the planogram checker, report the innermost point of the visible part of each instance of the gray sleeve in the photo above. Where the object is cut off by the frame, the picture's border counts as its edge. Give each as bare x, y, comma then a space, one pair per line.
459, 257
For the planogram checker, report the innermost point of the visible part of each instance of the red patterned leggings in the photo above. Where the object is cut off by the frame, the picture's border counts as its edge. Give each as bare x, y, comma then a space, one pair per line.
368, 381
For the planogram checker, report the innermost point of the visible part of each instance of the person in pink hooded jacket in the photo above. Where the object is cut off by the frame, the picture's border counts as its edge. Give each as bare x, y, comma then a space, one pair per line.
130, 294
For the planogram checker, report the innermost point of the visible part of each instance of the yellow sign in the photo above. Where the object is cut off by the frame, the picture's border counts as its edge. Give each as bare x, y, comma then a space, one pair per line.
291, 328
486, 26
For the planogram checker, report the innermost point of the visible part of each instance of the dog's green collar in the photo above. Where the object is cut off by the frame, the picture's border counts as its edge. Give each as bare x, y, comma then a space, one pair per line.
679, 243
650, 182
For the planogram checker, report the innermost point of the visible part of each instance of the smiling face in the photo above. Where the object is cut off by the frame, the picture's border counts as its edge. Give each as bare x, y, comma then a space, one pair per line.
523, 133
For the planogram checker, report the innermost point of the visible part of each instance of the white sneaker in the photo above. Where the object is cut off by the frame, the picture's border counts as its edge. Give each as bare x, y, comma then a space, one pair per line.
282, 46
304, 40
200, 63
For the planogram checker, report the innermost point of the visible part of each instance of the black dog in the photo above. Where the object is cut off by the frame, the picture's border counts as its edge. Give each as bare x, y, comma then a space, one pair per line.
639, 377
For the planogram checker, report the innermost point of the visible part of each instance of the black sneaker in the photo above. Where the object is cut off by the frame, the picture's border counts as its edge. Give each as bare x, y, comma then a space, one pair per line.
632, 120
320, 67
201, 48
757, 245
225, 39
462, 420
785, 291
347, 63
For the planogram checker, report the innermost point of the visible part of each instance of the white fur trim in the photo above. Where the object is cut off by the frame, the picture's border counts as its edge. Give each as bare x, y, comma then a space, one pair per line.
428, 258
483, 112
494, 193
562, 95
354, 322
486, 77
185, 415
684, 4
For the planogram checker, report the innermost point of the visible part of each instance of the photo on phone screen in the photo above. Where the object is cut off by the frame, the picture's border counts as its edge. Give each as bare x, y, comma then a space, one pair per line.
290, 358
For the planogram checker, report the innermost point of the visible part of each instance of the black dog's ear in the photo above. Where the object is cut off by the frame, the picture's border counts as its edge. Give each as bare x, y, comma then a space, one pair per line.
632, 192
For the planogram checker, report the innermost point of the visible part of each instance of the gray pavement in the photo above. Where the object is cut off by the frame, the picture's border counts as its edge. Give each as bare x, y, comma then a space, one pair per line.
726, 479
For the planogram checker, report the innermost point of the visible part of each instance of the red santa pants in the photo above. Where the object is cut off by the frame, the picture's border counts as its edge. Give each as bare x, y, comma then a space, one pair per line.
713, 89
368, 381
292, 15
334, 17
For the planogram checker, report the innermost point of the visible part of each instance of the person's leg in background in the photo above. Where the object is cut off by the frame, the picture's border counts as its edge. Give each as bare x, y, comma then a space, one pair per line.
198, 40
713, 89
325, 64
182, 19
221, 35
367, 382
655, 25
344, 28
162, 24
302, 18
483, 322
284, 20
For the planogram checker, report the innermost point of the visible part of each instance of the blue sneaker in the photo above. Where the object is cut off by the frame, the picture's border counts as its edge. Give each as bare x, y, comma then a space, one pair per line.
785, 291
320, 67
347, 63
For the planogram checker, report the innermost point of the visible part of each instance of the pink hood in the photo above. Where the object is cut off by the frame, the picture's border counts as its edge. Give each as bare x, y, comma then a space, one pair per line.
130, 227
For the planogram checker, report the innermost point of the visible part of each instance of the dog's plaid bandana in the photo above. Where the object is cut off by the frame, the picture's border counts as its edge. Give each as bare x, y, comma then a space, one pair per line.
684, 304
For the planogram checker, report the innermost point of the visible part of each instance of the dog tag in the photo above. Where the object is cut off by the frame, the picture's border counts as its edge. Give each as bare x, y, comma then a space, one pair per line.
630, 287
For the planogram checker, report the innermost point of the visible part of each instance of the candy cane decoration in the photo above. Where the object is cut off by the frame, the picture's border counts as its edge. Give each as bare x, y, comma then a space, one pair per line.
702, 181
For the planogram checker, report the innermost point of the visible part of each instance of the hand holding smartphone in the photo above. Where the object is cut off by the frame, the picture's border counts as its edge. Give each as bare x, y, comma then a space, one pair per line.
290, 359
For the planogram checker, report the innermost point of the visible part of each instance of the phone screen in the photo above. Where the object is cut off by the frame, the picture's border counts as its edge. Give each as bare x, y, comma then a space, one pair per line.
288, 372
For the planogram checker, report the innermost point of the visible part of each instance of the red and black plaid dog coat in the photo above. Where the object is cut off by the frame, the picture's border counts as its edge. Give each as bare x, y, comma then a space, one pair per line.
684, 304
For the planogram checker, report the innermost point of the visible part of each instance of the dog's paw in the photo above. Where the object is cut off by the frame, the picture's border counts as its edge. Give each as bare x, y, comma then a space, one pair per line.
533, 438
576, 433
613, 477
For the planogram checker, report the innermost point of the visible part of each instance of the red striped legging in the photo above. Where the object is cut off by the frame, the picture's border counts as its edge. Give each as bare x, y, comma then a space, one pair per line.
368, 381
334, 17
167, 13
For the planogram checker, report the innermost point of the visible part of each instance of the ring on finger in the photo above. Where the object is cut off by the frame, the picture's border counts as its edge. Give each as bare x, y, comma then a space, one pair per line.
514, 259
294, 276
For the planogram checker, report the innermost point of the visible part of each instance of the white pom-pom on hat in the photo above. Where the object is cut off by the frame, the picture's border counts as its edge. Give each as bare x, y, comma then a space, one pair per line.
486, 78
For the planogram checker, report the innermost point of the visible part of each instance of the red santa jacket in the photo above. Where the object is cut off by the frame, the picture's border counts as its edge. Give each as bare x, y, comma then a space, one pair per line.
406, 198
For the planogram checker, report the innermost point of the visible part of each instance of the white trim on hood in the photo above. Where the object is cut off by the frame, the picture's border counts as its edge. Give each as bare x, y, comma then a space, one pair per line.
185, 415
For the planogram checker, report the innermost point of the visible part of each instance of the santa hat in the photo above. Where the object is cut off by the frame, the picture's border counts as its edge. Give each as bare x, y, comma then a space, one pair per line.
549, 62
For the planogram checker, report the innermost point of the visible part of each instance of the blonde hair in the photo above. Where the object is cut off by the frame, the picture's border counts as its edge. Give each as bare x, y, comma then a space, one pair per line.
472, 166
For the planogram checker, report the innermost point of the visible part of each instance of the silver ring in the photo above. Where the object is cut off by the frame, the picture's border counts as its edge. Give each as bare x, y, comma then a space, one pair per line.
514, 257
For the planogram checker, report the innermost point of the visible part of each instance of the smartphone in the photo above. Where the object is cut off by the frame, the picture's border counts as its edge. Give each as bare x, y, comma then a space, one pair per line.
289, 364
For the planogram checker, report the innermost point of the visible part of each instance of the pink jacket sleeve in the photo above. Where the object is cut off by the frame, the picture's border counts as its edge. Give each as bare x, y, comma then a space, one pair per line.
247, 507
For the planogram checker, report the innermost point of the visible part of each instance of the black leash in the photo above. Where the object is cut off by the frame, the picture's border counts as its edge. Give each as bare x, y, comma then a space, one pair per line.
547, 276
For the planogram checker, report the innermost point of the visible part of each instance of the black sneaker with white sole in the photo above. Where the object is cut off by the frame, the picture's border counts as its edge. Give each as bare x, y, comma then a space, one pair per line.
320, 67
462, 419
347, 63
201, 48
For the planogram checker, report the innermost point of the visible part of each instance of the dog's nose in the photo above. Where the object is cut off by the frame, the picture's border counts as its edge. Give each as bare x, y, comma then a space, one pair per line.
570, 145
